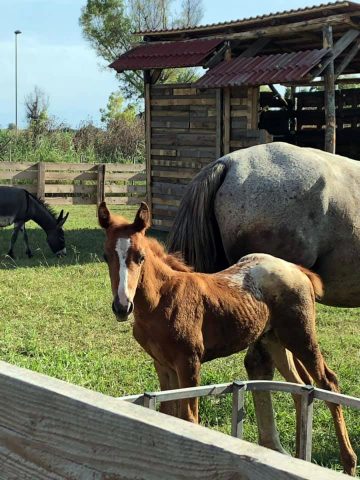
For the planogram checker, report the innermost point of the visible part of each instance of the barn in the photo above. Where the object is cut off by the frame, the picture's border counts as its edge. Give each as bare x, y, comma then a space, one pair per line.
228, 108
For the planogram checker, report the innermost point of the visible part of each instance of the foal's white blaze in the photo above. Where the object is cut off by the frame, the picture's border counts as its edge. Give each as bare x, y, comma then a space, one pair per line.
122, 247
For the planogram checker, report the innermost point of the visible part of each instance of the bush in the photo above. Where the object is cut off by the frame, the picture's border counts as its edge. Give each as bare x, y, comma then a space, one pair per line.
122, 141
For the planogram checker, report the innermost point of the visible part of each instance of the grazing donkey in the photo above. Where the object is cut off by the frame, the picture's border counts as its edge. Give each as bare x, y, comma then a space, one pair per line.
299, 204
183, 319
18, 206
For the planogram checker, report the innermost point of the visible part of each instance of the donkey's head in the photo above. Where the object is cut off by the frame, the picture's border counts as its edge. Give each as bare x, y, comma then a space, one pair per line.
125, 250
56, 237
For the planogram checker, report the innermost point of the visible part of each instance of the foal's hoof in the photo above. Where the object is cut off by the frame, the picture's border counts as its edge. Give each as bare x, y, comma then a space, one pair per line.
11, 255
29, 254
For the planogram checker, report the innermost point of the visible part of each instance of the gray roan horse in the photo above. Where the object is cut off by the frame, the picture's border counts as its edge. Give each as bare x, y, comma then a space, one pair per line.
18, 206
299, 204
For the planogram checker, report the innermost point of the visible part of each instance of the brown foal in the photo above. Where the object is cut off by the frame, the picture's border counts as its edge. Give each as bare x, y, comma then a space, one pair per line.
183, 319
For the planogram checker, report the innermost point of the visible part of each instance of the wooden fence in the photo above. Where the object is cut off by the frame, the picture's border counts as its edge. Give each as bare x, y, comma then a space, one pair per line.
237, 389
78, 183
52, 430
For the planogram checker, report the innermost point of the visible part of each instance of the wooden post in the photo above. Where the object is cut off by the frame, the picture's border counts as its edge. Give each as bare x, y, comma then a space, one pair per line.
227, 120
150, 401
219, 122
147, 83
329, 92
100, 183
41, 180
306, 420
238, 401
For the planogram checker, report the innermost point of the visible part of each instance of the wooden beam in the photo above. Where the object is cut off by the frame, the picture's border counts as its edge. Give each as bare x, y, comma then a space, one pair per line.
41, 180
315, 24
336, 50
255, 47
217, 57
50, 429
155, 75
347, 59
278, 95
329, 93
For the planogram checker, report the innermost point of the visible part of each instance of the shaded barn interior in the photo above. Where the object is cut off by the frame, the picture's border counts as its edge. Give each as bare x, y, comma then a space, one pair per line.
190, 125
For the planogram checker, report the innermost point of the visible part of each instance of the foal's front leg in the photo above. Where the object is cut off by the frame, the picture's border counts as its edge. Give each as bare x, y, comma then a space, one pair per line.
168, 381
188, 373
260, 366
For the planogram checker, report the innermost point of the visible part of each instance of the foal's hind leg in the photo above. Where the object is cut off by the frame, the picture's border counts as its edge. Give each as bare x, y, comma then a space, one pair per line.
300, 339
260, 366
17, 227
26, 240
291, 369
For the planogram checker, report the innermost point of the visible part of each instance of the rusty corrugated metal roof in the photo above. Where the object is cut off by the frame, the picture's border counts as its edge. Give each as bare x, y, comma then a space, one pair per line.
350, 6
261, 70
187, 53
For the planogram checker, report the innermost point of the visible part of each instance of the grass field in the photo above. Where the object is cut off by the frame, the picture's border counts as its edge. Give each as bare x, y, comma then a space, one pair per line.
56, 319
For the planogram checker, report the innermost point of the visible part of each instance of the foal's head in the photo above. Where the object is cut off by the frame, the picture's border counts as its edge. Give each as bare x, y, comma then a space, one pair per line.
124, 253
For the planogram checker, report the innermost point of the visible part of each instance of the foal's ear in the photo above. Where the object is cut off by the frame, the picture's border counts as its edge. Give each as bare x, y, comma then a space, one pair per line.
104, 215
142, 218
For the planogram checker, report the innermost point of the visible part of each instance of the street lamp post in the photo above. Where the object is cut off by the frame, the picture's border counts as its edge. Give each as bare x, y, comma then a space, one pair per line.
17, 32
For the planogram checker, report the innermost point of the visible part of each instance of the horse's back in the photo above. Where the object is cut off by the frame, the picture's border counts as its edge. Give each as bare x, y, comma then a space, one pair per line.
285, 200
12, 205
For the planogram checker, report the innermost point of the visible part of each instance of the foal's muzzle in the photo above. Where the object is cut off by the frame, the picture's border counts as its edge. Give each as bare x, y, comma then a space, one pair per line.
120, 311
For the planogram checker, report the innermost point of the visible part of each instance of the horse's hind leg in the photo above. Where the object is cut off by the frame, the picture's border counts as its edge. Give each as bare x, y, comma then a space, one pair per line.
26, 240
260, 366
15, 233
303, 344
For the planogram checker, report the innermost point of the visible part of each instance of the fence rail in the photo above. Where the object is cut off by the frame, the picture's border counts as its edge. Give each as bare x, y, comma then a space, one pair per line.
308, 394
78, 183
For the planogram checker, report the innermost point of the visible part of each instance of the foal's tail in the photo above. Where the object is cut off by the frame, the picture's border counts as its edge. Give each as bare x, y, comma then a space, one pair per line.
195, 232
315, 280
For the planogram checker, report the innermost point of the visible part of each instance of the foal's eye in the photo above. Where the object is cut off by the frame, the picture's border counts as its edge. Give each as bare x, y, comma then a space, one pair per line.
140, 258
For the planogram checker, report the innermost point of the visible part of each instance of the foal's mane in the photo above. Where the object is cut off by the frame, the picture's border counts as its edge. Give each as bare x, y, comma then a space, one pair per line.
47, 207
173, 260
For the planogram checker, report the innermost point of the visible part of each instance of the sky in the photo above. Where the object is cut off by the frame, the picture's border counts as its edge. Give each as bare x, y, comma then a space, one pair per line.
53, 55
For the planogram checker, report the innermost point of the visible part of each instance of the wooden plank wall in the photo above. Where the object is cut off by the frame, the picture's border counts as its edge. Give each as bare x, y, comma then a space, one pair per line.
50, 429
78, 183
310, 120
189, 129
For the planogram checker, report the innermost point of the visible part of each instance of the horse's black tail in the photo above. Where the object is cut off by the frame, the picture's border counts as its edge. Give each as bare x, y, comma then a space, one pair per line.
195, 232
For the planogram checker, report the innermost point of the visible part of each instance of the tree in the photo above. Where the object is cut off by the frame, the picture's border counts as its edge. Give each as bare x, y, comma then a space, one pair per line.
36, 108
115, 110
108, 26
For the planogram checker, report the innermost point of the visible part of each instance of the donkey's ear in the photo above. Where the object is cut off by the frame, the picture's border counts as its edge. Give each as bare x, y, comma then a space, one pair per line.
142, 218
61, 219
104, 215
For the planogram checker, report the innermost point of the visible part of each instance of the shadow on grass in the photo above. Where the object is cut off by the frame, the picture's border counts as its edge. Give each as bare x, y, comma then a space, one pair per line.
84, 245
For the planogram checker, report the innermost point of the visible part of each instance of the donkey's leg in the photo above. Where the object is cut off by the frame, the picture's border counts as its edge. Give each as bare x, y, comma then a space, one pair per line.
168, 381
260, 366
303, 344
188, 373
26, 240
17, 227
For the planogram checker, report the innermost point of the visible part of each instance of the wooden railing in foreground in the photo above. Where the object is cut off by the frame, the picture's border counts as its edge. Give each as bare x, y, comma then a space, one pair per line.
50, 429
78, 183
308, 394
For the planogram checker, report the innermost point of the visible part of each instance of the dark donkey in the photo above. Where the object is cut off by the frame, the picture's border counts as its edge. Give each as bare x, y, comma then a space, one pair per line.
17, 206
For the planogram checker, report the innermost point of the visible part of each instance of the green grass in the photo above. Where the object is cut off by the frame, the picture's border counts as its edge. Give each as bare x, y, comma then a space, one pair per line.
56, 319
